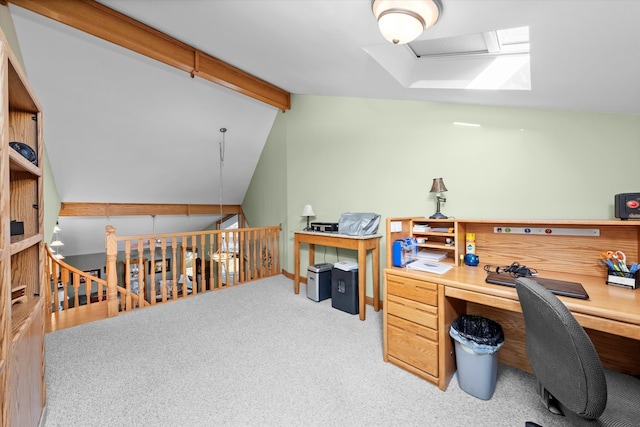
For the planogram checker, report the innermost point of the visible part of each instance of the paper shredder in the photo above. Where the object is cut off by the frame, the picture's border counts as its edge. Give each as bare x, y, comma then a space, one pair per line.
319, 281
344, 289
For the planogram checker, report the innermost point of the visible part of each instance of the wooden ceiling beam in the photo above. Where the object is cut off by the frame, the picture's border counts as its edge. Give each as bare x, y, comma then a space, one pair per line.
101, 21
129, 209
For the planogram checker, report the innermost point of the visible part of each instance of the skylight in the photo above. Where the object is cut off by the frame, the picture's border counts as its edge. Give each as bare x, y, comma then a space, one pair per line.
509, 69
501, 72
491, 60
498, 42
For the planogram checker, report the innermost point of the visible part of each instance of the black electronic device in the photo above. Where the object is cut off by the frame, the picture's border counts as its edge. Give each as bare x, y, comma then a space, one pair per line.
325, 227
26, 151
17, 228
558, 287
627, 205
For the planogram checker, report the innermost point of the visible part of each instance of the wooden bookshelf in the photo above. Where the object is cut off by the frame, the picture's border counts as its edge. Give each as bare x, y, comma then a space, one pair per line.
22, 389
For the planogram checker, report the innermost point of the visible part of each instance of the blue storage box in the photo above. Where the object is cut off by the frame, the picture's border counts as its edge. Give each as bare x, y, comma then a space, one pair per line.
404, 251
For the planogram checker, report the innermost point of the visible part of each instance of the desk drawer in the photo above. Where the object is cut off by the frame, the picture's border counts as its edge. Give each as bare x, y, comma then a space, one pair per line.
412, 349
413, 328
415, 290
425, 315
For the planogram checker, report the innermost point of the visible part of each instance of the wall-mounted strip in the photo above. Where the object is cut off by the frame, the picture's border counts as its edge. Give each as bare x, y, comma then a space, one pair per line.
549, 231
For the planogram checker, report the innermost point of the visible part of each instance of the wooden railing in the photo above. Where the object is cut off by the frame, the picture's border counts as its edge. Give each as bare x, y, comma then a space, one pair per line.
165, 267
71, 287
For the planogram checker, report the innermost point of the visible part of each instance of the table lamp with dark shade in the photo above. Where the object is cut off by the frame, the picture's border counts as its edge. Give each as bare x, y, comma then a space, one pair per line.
438, 187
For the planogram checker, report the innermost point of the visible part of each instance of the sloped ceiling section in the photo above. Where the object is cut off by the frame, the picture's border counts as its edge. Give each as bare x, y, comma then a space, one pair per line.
120, 127
147, 131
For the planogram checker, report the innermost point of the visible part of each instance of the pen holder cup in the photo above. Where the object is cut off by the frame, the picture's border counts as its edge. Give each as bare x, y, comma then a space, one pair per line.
625, 280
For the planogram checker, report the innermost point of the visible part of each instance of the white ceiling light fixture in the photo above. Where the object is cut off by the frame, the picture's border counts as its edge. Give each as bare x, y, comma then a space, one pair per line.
56, 241
402, 21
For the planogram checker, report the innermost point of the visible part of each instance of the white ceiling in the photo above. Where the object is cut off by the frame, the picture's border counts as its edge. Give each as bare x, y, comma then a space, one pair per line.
123, 128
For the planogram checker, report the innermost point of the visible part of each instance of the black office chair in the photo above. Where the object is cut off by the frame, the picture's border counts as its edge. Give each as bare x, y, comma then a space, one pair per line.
571, 379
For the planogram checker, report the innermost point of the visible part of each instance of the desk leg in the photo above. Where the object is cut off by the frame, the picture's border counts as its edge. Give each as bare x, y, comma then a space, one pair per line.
296, 266
375, 264
362, 279
312, 253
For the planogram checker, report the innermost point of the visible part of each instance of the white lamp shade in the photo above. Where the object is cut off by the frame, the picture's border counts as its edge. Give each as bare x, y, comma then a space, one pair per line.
57, 229
56, 243
58, 256
308, 211
402, 21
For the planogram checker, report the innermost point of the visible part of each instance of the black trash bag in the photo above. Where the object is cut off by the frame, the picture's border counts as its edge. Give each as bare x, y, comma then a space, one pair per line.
481, 334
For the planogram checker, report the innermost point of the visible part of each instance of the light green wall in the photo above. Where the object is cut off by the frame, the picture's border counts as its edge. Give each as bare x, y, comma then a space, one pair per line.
51, 200
265, 203
368, 155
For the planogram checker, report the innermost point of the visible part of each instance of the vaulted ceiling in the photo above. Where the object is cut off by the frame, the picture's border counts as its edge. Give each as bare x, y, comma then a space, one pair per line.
121, 127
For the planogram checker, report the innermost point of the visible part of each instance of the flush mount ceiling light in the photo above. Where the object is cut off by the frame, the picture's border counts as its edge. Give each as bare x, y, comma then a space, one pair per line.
401, 21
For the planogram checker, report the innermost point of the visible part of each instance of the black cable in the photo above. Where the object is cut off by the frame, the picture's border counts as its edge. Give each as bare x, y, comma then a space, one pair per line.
515, 270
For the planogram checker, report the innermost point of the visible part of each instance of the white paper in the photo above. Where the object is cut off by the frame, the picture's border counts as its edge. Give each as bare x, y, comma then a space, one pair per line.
429, 267
396, 226
346, 265
428, 255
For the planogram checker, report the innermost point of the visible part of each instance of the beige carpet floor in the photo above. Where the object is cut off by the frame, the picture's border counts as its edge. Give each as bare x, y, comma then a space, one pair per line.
257, 355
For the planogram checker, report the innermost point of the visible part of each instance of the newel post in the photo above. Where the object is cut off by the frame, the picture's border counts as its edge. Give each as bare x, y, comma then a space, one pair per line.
112, 277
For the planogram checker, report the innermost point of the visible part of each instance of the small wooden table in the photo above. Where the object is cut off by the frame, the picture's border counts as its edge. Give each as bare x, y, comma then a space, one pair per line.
360, 243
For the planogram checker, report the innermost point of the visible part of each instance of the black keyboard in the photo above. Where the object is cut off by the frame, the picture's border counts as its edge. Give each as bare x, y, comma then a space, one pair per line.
558, 287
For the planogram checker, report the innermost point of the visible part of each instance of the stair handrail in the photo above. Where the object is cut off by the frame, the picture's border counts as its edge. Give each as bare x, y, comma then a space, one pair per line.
62, 276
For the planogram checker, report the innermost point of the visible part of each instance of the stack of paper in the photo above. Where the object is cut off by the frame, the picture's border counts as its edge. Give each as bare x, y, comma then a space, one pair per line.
429, 267
428, 255
440, 229
421, 228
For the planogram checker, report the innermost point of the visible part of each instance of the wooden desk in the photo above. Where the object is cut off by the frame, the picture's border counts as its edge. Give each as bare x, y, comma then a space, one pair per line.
611, 317
362, 244
421, 306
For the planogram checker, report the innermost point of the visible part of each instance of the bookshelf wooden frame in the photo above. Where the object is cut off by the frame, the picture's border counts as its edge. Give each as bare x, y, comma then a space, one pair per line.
22, 257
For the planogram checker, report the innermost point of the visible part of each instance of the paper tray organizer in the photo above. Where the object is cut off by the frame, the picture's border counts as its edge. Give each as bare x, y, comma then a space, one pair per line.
625, 280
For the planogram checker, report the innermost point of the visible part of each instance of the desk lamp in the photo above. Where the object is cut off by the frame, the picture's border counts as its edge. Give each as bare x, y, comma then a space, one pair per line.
438, 187
308, 211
